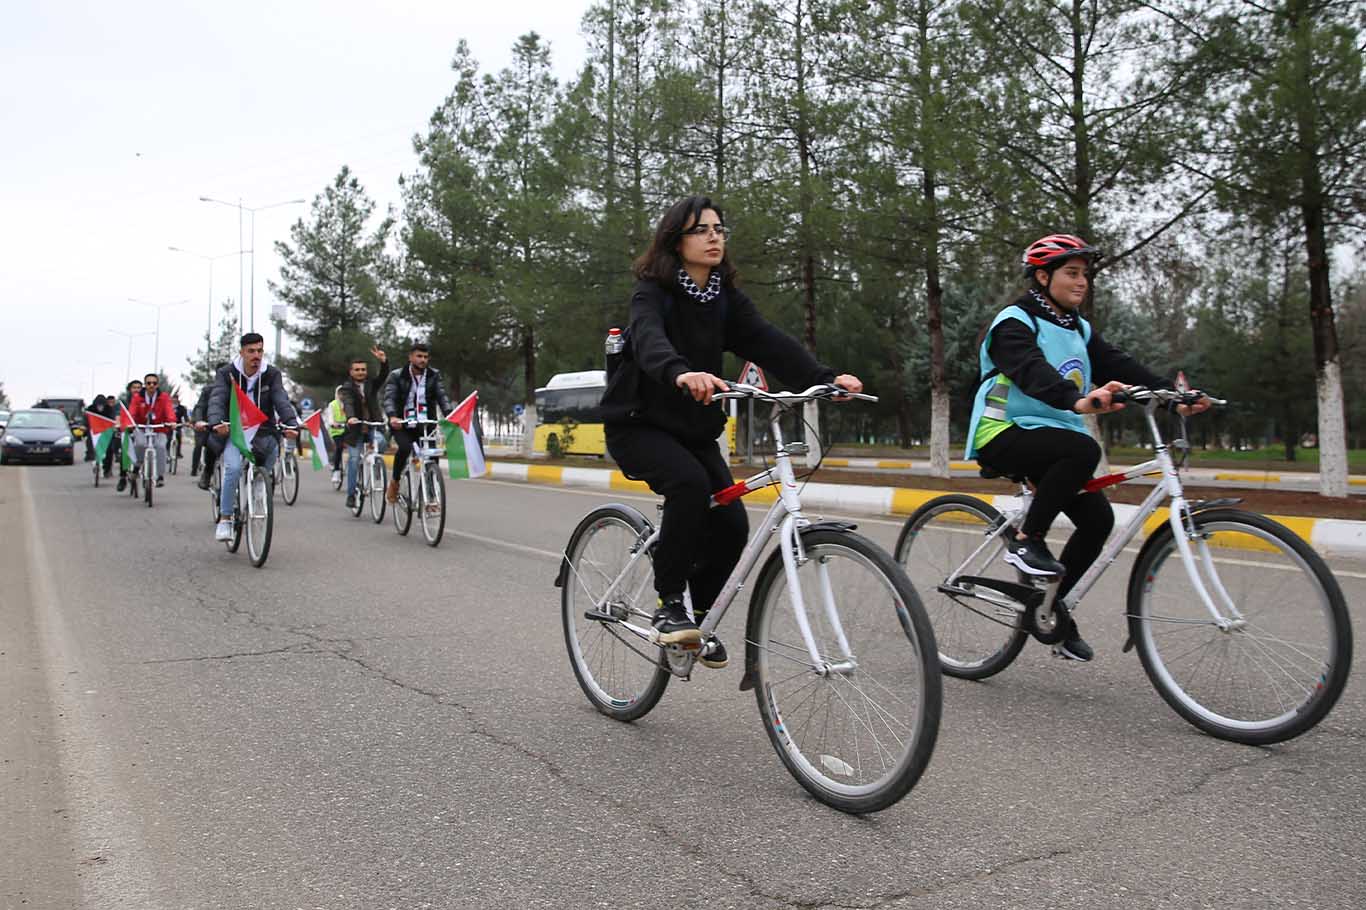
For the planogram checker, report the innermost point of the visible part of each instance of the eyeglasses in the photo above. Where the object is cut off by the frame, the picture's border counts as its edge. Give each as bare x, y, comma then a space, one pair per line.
150, 385
706, 230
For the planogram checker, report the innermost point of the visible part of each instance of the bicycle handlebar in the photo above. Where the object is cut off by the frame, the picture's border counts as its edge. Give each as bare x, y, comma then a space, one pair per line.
1164, 396
740, 390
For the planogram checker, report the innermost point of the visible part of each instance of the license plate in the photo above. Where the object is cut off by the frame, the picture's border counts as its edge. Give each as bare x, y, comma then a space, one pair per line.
41, 450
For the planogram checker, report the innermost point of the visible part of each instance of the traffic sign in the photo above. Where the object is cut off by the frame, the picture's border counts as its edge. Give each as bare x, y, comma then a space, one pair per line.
306, 404
519, 409
750, 374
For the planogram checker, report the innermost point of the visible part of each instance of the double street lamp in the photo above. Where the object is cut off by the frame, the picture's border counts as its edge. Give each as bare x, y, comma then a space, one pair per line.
128, 369
210, 260
240, 210
156, 356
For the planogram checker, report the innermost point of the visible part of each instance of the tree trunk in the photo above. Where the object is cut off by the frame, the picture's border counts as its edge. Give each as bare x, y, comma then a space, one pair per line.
934, 292
1327, 367
529, 401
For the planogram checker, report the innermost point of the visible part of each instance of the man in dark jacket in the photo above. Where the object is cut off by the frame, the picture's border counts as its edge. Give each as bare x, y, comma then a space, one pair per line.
265, 387
108, 406
359, 396
412, 393
199, 416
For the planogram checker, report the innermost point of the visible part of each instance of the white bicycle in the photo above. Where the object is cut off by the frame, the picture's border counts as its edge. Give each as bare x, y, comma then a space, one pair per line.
838, 649
421, 488
373, 477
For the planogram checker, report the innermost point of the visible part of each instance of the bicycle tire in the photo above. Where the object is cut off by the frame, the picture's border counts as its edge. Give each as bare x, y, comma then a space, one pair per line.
433, 518
289, 486
259, 527
612, 666
402, 507
172, 460
147, 479
975, 639
239, 523
97, 473
1300, 596
892, 644
338, 477
379, 498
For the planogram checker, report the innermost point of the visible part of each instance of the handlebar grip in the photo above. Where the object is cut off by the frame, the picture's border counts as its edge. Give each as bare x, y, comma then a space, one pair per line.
1115, 398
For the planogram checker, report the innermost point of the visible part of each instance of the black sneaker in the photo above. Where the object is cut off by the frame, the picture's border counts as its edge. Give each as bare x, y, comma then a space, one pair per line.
1031, 556
713, 654
123, 483
672, 625
203, 481
161, 482
351, 501
1074, 647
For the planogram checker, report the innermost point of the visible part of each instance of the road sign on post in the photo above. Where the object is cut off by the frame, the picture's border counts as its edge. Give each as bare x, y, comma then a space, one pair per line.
750, 374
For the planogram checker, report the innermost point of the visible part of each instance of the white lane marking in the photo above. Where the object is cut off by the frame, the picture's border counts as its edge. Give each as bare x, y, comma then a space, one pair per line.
505, 544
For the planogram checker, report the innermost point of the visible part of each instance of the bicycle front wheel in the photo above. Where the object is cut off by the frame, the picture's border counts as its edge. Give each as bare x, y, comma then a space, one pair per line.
433, 504
1281, 665
402, 509
289, 482
976, 637
379, 478
216, 488
260, 515
857, 727
622, 674
148, 475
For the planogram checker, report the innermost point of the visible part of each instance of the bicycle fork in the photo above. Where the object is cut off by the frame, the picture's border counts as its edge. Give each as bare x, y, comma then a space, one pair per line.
794, 557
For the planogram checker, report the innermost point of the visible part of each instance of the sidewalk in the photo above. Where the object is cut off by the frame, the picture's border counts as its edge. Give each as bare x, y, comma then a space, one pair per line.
1330, 536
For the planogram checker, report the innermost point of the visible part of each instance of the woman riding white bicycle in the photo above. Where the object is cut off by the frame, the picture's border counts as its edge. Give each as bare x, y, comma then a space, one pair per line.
1042, 367
661, 423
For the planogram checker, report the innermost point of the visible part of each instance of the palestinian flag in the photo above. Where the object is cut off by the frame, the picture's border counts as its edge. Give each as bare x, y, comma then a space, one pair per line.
244, 419
463, 453
314, 422
102, 428
126, 424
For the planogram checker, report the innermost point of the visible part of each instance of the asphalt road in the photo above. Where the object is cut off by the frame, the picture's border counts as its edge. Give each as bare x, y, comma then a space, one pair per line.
371, 723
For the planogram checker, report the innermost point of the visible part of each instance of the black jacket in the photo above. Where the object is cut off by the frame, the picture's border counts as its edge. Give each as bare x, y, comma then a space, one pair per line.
269, 395
1015, 351
364, 406
671, 334
201, 406
400, 383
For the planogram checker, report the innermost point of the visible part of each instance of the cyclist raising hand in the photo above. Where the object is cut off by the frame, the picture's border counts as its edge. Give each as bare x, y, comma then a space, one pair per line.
1042, 367
661, 423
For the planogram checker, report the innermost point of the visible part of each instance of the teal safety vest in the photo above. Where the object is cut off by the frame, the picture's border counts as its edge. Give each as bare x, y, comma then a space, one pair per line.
1064, 349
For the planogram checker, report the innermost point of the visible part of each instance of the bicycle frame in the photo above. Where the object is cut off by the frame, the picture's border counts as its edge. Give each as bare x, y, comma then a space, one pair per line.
785, 518
1183, 530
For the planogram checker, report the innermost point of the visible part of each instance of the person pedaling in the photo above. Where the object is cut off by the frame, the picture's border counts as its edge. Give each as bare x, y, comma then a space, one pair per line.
1042, 367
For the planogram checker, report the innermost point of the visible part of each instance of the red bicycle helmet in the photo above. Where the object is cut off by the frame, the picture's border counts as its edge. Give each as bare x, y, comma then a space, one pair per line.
1047, 252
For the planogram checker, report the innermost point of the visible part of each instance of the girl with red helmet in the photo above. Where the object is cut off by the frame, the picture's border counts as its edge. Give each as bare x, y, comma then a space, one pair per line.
1042, 367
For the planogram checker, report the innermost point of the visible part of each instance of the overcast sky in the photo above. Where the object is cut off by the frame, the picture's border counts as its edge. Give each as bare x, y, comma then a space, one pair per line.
117, 117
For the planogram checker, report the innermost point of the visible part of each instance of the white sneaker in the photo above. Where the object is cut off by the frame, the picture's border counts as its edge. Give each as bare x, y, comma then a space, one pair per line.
223, 530
336, 478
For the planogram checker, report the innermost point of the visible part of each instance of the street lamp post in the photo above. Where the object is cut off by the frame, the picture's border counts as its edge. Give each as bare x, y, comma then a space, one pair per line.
253, 209
92, 364
210, 260
128, 369
156, 356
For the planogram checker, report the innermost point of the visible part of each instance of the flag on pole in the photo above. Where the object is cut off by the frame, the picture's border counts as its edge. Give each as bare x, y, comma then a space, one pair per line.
244, 419
126, 424
314, 422
463, 453
102, 428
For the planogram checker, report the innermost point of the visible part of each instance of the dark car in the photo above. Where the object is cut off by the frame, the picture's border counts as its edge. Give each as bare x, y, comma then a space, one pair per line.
37, 435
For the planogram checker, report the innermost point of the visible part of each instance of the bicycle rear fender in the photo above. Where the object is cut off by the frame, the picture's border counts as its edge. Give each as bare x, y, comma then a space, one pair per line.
632, 514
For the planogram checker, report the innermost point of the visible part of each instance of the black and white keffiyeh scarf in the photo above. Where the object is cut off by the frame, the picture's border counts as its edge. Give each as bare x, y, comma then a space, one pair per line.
696, 293
1065, 318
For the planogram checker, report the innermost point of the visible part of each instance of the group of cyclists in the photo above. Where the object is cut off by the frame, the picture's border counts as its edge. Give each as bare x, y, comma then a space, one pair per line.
1042, 367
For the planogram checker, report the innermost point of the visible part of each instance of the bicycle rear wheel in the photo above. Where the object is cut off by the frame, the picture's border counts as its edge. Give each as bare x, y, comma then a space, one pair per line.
855, 730
260, 516
622, 674
1276, 672
976, 638
402, 508
379, 478
433, 504
289, 481
148, 476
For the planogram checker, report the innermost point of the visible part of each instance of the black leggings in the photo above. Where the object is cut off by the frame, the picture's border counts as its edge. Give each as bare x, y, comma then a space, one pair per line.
1058, 462
698, 545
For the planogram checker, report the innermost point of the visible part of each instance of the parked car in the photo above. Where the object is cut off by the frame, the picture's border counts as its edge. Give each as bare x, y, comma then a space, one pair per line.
37, 435
4, 417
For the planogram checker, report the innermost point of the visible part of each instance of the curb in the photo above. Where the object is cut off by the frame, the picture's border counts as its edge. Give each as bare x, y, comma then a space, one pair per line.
1329, 536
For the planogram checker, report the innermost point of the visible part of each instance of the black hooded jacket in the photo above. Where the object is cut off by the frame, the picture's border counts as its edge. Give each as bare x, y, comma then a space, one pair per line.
672, 333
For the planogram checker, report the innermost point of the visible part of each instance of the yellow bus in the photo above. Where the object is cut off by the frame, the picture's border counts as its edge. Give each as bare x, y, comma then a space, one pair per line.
572, 399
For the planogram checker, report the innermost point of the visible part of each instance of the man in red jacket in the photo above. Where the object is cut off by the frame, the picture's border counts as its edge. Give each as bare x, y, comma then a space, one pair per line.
152, 405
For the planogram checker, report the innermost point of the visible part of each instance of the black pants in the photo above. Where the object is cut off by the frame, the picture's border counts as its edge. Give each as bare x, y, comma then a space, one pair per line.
1058, 462
113, 452
337, 449
404, 439
200, 438
698, 545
